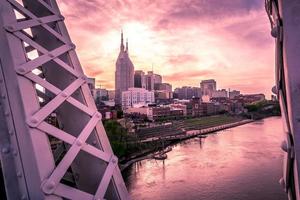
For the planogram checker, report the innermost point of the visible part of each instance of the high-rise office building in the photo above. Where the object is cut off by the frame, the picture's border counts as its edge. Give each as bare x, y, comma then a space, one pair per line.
139, 79
91, 83
208, 86
233, 93
137, 96
152, 79
163, 91
124, 74
157, 79
219, 93
100, 94
163, 86
186, 92
111, 95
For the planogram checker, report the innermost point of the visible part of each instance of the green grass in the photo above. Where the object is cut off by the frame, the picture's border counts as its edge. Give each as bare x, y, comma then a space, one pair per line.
209, 121
125, 145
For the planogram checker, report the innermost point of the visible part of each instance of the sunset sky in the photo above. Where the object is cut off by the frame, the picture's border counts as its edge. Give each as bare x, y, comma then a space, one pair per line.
185, 40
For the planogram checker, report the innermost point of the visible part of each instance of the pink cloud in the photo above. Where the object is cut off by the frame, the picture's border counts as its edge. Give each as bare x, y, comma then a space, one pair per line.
182, 59
197, 39
94, 73
190, 74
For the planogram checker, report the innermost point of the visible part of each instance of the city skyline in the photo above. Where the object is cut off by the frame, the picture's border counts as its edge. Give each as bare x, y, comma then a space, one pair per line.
229, 42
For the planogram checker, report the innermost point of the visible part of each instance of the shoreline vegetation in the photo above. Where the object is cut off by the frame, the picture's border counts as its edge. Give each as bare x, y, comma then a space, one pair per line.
130, 149
174, 140
145, 142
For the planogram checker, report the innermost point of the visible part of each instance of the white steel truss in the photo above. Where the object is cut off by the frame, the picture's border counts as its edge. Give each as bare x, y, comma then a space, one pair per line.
284, 16
36, 52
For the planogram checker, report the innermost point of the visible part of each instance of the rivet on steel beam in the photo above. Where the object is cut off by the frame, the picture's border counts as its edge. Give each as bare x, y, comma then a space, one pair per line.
72, 46
274, 31
284, 146
5, 150
3, 96
19, 174
21, 70
61, 17
94, 142
6, 113
9, 28
98, 115
64, 95
275, 90
49, 187
33, 120
24, 197
11, 132
51, 55
79, 143
282, 183
83, 77
114, 160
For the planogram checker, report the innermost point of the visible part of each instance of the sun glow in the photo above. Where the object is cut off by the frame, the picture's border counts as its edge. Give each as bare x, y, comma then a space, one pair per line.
145, 47
184, 47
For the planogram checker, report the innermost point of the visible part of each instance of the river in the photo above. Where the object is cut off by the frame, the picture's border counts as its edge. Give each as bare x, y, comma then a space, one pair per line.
242, 163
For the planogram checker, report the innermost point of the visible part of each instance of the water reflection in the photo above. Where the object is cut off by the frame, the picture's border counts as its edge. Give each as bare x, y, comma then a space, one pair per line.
240, 163
201, 141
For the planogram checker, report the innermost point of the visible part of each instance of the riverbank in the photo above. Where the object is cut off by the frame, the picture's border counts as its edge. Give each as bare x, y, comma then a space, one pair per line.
128, 146
173, 139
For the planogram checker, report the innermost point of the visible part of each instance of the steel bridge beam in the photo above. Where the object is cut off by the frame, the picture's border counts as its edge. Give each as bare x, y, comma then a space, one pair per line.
285, 23
41, 79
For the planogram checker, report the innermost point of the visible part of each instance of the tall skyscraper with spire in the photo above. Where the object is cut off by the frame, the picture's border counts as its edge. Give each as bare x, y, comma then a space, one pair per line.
124, 74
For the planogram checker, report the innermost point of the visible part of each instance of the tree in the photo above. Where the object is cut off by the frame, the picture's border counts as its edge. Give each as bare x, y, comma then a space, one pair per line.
119, 114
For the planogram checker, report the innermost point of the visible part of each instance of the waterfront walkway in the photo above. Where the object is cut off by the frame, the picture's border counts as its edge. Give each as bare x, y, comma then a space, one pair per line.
193, 133
179, 137
180, 127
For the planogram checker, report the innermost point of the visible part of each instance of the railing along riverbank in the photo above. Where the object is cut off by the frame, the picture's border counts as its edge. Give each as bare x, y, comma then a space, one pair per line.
187, 135
193, 133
